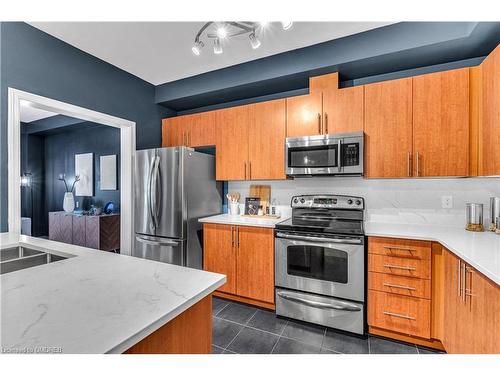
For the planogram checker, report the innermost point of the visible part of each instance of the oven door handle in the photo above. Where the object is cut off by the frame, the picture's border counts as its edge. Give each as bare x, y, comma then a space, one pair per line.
320, 305
356, 241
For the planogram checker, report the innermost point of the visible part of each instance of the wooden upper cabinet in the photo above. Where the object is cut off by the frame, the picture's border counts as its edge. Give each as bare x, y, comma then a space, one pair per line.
201, 129
441, 124
303, 115
173, 132
266, 140
343, 110
489, 128
255, 263
219, 253
388, 128
196, 130
232, 125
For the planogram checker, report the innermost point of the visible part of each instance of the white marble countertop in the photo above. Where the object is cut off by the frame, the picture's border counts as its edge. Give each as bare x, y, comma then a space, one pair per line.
479, 249
241, 220
94, 302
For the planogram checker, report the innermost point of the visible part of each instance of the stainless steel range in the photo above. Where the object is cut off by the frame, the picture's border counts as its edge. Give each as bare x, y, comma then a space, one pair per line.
320, 262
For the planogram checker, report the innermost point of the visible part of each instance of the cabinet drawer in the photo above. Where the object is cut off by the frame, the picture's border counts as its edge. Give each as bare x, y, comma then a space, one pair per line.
402, 314
399, 266
408, 286
400, 248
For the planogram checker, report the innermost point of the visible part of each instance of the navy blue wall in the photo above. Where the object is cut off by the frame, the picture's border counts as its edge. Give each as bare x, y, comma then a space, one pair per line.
36, 62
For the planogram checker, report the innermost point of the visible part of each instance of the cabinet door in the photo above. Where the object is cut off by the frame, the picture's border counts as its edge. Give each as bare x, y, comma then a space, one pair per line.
255, 263
441, 124
173, 132
266, 141
452, 302
303, 115
484, 301
200, 129
343, 110
232, 143
489, 132
388, 128
219, 254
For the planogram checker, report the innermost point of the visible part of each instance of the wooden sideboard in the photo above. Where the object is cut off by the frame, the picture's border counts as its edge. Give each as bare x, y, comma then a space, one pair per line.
98, 232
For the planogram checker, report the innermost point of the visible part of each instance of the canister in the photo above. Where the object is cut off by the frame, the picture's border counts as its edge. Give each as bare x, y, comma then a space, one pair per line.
494, 212
474, 217
497, 224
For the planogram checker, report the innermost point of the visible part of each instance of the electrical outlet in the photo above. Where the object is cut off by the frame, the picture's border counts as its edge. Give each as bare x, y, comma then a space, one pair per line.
447, 201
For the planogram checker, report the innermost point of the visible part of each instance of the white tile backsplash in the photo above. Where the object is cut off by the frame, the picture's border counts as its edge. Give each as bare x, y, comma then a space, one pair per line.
415, 201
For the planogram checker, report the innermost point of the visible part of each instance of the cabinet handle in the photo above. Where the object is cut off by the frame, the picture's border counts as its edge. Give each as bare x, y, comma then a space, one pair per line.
238, 236
399, 286
326, 123
399, 315
408, 164
249, 170
232, 236
245, 170
459, 276
390, 248
187, 138
320, 130
406, 268
418, 164
463, 280
468, 292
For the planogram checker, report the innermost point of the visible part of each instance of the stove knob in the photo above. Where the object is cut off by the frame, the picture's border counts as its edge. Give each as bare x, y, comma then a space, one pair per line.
295, 201
302, 200
349, 201
358, 202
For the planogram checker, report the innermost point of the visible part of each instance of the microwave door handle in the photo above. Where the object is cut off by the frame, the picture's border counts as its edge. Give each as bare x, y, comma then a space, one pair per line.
320, 305
319, 239
339, 155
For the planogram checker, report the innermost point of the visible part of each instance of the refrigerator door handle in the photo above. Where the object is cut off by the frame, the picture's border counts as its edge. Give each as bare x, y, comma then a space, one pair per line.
161, 242
153, 191
157, 197
149, 203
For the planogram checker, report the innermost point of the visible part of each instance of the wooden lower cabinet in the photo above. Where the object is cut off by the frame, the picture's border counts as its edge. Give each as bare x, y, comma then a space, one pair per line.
442, 302
246, 256
188, 333
471, 309
219, 254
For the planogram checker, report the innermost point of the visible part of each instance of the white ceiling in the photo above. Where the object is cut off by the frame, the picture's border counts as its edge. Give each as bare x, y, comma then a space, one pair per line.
160, 52
30, 113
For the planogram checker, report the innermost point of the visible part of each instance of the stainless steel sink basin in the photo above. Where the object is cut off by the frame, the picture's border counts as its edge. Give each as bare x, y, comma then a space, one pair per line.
20, 257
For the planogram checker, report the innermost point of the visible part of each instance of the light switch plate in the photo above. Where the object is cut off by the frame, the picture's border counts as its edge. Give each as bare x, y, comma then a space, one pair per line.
446, 201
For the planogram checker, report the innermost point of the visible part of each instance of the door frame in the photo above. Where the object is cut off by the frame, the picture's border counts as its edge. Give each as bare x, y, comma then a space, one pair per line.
127, 156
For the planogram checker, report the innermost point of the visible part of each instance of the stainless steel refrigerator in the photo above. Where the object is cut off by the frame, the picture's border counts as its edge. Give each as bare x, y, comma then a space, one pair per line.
174, 187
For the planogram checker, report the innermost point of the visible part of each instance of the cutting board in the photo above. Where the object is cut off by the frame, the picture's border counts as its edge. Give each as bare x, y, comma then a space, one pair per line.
263, 192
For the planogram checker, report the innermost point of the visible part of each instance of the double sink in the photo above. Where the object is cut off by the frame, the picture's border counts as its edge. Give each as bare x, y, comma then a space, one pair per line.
21, 257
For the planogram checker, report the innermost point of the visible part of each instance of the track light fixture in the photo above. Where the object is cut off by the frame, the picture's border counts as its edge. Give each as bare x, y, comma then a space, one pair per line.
224, 30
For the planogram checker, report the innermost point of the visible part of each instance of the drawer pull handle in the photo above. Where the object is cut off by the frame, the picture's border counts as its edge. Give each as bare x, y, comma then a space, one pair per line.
399, 315
390, 248
406, 268
399, 286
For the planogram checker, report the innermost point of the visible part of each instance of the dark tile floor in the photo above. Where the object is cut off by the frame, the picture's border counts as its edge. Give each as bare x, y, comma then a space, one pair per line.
243, 329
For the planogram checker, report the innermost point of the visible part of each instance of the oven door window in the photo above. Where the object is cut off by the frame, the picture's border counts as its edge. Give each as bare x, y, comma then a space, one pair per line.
317, 262
324, 156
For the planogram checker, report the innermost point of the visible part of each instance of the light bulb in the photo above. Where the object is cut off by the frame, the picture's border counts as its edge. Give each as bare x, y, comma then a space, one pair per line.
221, 32
286, 24
217, 47
254, 41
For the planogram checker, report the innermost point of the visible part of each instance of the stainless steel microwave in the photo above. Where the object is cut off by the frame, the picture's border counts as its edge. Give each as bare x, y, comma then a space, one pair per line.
331, 154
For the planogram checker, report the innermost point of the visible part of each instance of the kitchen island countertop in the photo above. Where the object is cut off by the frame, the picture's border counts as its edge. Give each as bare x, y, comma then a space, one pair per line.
93, 302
